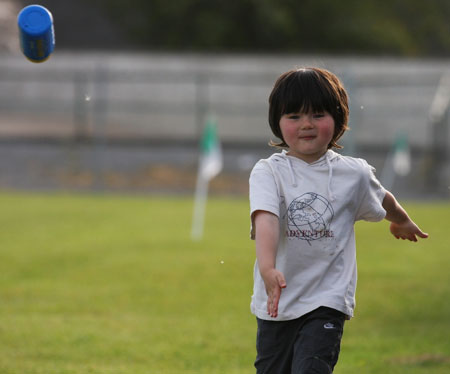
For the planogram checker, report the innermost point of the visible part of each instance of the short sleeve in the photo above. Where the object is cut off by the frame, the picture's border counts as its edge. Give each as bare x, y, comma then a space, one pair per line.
371, 205
263, 191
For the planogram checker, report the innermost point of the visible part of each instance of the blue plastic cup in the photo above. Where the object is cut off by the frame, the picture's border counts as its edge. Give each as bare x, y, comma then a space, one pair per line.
37, 35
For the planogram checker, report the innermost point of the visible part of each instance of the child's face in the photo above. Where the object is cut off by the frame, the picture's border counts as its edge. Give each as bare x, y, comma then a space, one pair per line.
307, 134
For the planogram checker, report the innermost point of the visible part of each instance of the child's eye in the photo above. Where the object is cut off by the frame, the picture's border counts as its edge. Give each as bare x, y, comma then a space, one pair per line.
318, 115
293, 116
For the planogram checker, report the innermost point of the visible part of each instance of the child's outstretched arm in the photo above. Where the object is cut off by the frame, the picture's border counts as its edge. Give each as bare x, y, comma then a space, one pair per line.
402, 227
266, 240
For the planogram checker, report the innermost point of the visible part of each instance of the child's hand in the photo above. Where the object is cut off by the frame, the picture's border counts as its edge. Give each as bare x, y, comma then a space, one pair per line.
407, 230
402, 227
274, 282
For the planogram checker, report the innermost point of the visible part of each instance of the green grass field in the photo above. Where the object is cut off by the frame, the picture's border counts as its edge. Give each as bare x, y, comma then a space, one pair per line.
110, 284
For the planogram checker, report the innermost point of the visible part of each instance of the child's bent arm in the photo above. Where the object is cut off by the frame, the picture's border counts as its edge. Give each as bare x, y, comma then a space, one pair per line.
266, 239
402, 227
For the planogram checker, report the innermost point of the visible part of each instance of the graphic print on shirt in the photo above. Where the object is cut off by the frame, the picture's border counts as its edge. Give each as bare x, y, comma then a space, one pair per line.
309, 218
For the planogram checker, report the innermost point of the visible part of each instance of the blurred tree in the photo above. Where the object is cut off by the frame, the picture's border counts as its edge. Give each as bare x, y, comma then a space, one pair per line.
397, 27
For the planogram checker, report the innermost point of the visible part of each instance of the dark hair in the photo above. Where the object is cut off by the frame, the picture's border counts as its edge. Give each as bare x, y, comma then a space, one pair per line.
308, 90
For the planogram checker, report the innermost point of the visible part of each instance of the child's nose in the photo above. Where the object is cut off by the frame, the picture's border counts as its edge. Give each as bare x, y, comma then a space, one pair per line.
306, 123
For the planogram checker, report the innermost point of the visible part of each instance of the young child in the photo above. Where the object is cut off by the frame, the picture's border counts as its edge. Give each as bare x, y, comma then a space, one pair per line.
304, 202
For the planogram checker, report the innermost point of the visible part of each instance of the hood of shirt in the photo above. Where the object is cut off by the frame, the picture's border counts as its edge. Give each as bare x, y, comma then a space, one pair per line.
327, 160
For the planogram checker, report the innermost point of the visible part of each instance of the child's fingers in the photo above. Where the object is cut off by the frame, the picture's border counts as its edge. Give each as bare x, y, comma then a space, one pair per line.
273, 289
418, 233
423, 235
272, 306
272, 302
407, 232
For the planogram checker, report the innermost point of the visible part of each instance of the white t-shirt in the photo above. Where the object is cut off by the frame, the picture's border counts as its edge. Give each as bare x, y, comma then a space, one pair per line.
317, 205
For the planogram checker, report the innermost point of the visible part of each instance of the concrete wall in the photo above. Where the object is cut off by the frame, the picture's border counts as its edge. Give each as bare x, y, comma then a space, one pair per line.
167, 95
165, 98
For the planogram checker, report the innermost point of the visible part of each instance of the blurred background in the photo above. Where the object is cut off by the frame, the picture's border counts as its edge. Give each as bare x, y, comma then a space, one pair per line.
121, 103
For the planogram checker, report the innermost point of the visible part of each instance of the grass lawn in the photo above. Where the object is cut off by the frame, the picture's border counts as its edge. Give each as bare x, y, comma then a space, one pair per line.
113, 284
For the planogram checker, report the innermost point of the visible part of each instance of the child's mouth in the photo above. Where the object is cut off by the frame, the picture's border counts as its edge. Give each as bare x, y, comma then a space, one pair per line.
307, 137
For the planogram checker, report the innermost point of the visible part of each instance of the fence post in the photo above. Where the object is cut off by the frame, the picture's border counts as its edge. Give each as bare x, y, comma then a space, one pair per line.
201, 102
439, 123
80, 117
100, 106
355, 115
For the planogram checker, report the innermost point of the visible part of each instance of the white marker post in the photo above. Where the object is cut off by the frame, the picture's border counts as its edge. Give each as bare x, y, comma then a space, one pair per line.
210, 164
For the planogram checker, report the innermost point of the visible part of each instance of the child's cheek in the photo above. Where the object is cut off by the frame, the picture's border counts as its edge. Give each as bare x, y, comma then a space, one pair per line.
289, 132
326, 131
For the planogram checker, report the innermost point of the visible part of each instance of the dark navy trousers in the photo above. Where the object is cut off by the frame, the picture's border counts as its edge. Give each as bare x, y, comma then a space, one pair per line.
306, 345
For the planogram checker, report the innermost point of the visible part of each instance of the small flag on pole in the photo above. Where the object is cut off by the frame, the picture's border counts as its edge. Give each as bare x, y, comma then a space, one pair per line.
211, 152
210, 165
398, 161
401, 160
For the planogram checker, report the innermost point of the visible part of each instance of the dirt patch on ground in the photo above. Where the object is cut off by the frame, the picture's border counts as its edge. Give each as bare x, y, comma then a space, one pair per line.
158, 178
